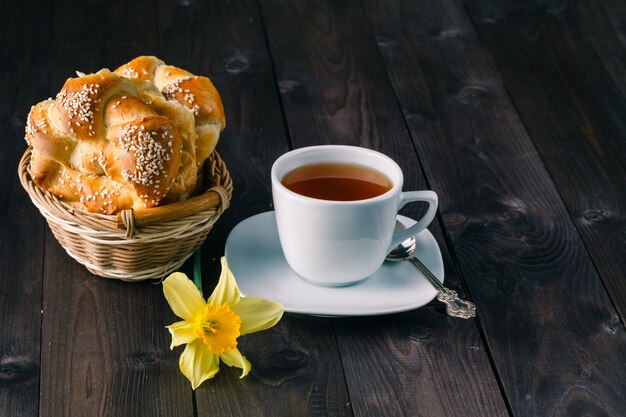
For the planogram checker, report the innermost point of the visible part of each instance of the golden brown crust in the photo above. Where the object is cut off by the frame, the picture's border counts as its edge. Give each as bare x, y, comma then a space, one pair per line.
186, 177
142, 67
129, 139
99, 145
196, 93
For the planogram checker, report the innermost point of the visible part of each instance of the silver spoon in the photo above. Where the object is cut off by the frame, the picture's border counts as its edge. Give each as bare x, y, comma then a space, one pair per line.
455, 306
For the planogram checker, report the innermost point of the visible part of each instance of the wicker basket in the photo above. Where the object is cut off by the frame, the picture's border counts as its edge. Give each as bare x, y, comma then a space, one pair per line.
140, 245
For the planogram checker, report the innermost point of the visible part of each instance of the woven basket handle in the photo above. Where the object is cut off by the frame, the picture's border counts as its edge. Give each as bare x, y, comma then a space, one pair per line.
215, 197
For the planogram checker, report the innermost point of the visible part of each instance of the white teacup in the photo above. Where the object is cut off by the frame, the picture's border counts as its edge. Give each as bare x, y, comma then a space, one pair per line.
338, 243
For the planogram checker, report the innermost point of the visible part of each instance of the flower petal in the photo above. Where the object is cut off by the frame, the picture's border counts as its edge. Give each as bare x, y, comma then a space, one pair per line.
183, 296
234, 358
226, 290
198, 363
182, 332
257, 314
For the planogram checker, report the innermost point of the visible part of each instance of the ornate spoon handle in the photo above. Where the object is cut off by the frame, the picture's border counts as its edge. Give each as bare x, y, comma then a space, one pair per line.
455, 306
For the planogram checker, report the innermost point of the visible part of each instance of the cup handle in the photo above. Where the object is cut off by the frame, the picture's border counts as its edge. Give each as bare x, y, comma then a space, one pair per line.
429, 197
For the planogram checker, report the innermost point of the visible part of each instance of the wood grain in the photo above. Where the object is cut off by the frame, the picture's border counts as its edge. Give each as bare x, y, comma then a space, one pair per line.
105, 346
296, 371
335, 90
580, 131
419, 363
547, 319
602, 25
513, 112
21, 226
106, 351
295, 367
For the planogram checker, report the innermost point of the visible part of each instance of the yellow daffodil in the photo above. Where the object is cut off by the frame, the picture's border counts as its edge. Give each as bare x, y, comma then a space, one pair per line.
211, 328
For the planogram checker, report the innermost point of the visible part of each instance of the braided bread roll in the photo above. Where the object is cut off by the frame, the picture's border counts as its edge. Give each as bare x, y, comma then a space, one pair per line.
108, 144
194, 92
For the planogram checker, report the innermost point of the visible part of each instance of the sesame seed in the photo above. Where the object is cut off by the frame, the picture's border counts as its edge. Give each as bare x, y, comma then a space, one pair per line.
129, 73
78, 104
150, 155
170, 90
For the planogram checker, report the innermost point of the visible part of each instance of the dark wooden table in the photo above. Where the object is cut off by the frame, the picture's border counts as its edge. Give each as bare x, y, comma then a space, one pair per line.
514, 112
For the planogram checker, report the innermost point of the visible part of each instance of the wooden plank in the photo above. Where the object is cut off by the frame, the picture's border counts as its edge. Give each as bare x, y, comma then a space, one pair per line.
296, 371
580, 129
105, 349
295, 366
547, 319
602, 24
444, 357
335, 90
22, 81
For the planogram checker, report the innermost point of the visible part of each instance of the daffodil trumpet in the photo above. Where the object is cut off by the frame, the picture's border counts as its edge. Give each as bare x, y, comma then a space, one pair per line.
210, 328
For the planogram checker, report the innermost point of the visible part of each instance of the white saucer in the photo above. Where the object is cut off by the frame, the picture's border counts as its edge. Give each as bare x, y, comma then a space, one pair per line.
257, 261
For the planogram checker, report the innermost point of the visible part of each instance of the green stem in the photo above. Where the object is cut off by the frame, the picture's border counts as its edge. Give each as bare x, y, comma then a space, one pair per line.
197, 269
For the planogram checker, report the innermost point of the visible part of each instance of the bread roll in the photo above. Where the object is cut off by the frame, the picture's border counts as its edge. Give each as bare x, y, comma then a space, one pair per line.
194, 92
135, 138
99, 145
